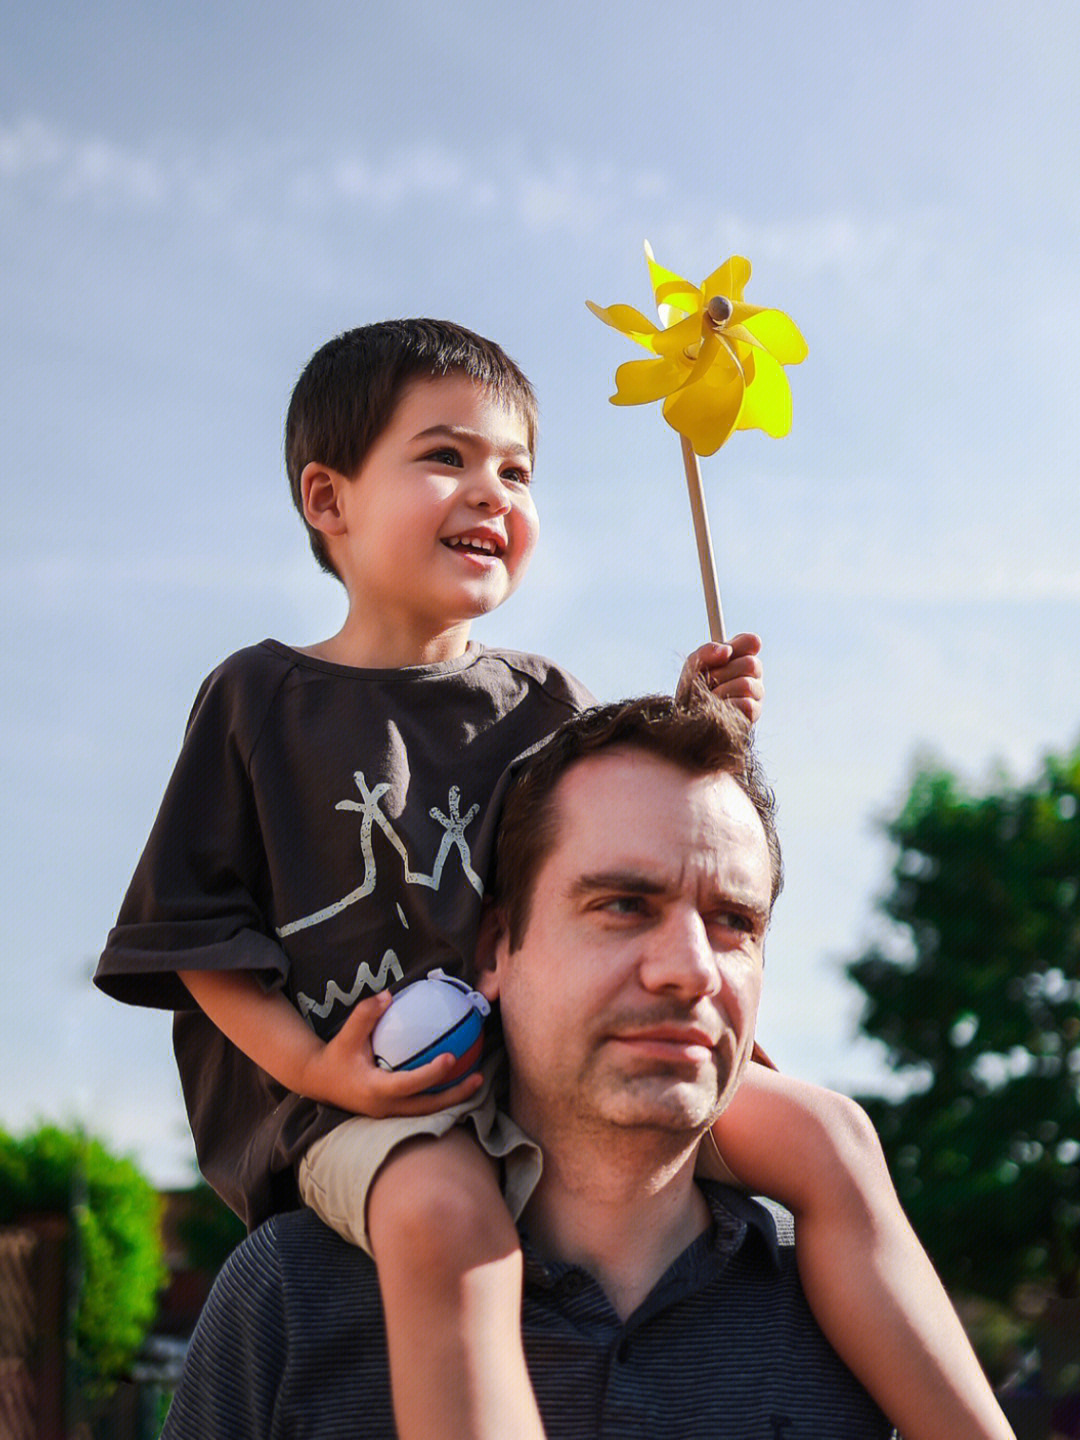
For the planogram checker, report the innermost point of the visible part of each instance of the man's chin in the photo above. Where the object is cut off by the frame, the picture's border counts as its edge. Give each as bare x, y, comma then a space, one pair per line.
666, 1103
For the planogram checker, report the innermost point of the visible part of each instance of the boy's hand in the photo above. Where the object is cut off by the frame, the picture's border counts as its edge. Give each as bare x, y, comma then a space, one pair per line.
732, 671
343, 1072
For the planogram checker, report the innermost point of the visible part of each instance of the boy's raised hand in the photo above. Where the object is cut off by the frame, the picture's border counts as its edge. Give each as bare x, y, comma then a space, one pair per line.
343, 1072
732, 670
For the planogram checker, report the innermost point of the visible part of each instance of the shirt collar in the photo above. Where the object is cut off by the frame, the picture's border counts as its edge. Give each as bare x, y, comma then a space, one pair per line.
737, 1221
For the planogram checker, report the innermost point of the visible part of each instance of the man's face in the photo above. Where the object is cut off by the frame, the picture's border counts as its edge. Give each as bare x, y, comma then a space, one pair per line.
632, 999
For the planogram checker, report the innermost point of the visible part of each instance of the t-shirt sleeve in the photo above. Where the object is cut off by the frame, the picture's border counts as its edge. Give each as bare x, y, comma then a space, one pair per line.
200, 896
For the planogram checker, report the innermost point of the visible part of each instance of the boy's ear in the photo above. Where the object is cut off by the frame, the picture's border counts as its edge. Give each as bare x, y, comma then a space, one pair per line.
320, 490
490, 945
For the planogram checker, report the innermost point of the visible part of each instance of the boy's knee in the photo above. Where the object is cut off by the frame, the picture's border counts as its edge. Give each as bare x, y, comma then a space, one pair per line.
432, 1200
859, 1174
853, 1132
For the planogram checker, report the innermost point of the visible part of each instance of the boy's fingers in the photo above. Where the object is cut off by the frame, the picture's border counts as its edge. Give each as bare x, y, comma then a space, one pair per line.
709, 656
748, 644
738, 685
365, 1015
412, 1082
407, 1102
428, 1104
726, 687
742, 665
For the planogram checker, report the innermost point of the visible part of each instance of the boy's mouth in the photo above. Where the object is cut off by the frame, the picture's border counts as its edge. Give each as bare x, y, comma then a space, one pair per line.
476, 544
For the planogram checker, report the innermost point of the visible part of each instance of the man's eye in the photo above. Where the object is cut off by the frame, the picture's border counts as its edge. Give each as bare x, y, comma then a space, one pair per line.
734, 920
730, 920
624, 905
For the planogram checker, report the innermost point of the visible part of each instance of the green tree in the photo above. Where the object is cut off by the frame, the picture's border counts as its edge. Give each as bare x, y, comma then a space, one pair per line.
115, 1214
209, 1231
975, 993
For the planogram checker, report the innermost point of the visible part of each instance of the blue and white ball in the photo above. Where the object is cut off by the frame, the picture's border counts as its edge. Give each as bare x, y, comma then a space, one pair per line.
438, 1015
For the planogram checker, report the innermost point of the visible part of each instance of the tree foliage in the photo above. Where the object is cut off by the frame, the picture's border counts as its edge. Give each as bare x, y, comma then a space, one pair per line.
208, 1229
976, 996
115, 1215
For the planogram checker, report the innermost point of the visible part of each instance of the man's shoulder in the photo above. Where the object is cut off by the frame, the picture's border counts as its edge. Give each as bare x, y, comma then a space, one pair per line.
293, 1274
298, 1240
290, 1339
765, 1313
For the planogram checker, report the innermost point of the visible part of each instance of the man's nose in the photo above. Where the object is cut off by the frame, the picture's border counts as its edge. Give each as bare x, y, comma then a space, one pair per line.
679, 957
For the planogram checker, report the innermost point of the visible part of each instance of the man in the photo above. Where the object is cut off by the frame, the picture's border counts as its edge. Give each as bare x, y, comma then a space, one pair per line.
636, 870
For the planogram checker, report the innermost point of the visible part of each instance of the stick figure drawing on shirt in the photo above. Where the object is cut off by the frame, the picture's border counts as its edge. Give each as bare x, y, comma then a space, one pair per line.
368, 806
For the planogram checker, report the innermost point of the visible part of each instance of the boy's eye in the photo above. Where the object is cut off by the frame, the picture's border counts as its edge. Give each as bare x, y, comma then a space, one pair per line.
517, 475
445, 455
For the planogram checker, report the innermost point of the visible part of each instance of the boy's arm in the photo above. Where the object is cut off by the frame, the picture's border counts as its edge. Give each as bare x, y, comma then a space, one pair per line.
339, 1072
868, 1280
732, 671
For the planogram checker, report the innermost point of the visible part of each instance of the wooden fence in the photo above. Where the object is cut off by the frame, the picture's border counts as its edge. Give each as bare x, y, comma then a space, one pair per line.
33, 1313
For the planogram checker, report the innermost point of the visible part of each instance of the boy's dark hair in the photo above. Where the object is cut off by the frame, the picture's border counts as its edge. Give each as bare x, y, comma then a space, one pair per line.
350, 388
697, 732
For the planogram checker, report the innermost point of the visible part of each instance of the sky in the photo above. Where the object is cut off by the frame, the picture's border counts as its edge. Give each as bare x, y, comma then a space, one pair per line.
194, 198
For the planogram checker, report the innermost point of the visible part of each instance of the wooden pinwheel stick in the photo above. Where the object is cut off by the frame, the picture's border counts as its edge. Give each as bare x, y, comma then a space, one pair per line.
704, 542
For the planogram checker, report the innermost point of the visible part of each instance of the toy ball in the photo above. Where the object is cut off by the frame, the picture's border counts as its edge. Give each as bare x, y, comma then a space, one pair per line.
438, 1015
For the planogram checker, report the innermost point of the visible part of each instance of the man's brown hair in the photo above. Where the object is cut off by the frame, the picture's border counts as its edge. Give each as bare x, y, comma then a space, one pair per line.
348, 391
699, 733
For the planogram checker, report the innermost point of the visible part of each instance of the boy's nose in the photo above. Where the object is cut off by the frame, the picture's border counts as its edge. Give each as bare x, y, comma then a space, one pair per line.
486, 490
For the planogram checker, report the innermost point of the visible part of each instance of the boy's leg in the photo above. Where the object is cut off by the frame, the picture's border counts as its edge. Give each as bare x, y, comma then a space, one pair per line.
450, 1272
423, 1197
867, 1278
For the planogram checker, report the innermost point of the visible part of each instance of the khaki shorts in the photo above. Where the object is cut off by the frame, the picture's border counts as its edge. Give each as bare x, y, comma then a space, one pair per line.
336, 1174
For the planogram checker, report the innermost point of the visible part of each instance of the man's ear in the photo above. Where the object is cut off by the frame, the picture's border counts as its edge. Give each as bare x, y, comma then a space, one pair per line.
490, 947
320, 491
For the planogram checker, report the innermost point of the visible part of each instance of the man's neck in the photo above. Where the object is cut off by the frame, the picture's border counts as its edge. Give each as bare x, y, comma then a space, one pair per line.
624, 1216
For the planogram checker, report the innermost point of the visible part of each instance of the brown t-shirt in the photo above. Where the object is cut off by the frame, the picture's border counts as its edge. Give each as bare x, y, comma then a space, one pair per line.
330, 829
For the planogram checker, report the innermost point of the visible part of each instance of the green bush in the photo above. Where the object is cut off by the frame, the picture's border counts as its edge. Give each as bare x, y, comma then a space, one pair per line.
115, 1215
208, 1230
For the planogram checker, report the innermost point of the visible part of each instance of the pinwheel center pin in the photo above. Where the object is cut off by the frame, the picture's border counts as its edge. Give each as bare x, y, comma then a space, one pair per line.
719, 310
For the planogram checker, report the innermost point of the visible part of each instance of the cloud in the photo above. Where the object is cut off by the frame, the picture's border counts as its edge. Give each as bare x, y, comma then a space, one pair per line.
43, 160
58, 581
40, 157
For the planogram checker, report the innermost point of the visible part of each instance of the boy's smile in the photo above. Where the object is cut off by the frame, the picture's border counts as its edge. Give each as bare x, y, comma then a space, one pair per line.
438, 526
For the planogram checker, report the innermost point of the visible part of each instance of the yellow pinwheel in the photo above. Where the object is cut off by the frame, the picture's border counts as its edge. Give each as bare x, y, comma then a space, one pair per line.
719, 362
718, 365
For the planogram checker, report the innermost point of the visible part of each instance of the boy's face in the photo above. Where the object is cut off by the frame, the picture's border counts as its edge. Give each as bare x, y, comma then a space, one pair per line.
439, 521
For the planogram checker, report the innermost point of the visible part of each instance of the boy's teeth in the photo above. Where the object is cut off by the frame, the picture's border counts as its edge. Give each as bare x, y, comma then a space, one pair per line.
463, 543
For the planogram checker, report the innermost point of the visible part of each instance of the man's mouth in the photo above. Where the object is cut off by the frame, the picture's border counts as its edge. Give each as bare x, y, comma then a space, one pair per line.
668, 1041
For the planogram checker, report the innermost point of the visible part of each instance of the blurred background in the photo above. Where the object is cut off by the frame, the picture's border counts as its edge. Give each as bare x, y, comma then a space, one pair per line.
193, 198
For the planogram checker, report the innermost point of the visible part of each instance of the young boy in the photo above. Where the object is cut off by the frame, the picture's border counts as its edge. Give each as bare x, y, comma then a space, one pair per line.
327, 832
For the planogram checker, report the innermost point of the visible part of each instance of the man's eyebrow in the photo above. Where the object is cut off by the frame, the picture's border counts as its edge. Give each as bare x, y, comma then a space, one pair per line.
636, 882
463, 433
620, 880
753, 909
